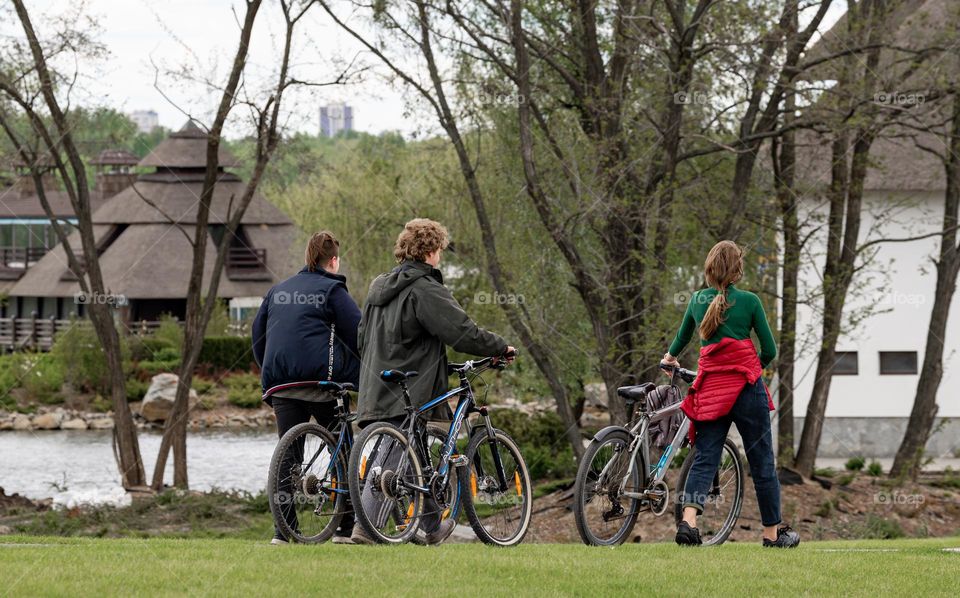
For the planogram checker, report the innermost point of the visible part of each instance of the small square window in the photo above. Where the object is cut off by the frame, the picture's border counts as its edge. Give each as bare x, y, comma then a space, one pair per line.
845, 363
898, 362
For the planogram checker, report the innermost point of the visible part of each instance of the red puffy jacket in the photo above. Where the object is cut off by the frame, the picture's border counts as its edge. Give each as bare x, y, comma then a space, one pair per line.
722, 372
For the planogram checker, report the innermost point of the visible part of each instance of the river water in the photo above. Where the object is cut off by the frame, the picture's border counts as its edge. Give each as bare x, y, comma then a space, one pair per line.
76, 467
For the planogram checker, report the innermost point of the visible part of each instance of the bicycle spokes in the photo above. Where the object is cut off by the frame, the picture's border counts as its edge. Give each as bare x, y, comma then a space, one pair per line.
499, 504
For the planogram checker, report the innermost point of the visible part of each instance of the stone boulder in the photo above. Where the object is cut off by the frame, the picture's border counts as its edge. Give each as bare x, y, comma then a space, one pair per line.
21, 422
100, 423
74, 424
158, 402
48, 421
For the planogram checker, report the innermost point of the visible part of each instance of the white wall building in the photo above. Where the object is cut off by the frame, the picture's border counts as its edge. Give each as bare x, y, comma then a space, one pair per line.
146, 120
887, 312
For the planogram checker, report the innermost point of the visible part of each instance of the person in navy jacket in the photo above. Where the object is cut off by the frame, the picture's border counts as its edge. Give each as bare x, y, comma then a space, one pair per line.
302, 322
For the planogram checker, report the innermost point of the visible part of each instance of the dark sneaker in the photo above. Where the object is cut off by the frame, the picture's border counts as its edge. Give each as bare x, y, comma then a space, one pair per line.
442, 532
786, 538
688, 536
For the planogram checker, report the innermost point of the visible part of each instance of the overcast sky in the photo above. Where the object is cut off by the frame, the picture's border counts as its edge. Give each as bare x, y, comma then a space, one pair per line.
202, 34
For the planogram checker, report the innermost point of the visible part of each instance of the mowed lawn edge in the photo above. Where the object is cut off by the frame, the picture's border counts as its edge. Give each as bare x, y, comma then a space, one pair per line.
85, 566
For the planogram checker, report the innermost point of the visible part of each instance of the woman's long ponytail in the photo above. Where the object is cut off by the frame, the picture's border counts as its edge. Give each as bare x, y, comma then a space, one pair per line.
723, 267
714, 316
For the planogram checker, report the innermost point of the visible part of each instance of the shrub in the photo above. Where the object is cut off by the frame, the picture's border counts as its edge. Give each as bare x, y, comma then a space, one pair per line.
845, 479
219, 324
149, 369
203, 385
824, 472
144, 348
542, 442
855, 464
44, 379
136, 389
880, 528
875, 469
84, 363
243, 390
226, 352
9, 380
169, 332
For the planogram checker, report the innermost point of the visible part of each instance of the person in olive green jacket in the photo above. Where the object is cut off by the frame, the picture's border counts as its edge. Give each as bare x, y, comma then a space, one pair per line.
408, 321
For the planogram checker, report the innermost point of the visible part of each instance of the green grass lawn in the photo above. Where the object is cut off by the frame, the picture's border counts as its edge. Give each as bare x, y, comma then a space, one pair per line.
84, 566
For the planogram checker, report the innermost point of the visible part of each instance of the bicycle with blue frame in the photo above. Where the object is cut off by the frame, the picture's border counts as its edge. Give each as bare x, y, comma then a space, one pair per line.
396, 486
617, 478
307, 485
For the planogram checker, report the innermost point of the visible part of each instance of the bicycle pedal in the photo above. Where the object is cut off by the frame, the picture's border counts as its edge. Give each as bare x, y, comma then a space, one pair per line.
459, 460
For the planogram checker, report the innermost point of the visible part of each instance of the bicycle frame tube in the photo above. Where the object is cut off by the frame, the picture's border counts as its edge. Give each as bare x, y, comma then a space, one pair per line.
641, 442
459, 414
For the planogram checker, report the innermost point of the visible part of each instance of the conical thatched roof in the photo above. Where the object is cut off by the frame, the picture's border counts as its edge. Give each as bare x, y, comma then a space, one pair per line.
187, 148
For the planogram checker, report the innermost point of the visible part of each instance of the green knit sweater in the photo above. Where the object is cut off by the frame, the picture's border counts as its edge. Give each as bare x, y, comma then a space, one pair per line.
745, 313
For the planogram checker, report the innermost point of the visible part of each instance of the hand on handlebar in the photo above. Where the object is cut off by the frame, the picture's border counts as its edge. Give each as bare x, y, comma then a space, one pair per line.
509, 354
668, 363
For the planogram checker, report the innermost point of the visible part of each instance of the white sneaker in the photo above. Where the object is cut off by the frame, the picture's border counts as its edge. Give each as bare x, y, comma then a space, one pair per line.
278, 542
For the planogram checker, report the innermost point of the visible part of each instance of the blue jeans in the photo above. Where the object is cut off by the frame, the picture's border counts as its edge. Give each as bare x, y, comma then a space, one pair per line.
751, 413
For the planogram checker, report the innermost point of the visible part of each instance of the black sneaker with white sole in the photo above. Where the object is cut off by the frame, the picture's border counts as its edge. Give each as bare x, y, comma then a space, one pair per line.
688, 536
786, 538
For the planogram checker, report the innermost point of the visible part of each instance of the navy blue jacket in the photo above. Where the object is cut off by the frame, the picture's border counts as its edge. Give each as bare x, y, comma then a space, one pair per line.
291, 333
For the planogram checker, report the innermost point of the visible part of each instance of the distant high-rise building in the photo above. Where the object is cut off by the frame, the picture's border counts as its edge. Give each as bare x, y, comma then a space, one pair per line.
335, 118
146, 120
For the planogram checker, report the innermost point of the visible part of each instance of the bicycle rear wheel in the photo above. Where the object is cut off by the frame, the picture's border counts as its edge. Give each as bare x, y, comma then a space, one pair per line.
603, 514
498, 501
721, 507
383, 468
436, 438
306, 483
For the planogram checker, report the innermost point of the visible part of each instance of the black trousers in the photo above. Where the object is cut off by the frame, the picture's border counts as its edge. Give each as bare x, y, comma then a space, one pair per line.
430, 519
292, 412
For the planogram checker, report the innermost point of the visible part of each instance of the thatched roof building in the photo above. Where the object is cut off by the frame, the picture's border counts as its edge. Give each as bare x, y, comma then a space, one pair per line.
145, 257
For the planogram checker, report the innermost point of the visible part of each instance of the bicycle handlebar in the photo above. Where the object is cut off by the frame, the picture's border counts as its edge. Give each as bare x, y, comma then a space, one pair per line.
686, 375
499, 362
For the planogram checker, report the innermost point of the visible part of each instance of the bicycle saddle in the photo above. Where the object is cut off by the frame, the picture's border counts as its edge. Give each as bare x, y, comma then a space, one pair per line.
637, 392
332, 386
397, 375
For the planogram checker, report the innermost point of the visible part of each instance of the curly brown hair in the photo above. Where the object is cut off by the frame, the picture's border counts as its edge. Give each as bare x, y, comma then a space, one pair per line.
420, 237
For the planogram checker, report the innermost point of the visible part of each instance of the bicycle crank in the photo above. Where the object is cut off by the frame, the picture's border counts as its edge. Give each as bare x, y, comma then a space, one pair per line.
658, 494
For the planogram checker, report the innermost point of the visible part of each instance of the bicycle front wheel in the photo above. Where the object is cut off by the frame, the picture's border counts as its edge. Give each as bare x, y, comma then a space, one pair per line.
498, 500
721, 507
384, 473
604, 515
306, 484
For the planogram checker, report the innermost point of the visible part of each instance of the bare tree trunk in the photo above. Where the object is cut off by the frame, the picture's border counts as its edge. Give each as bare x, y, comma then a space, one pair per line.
908, 460
784, 164
200, 307
88, 272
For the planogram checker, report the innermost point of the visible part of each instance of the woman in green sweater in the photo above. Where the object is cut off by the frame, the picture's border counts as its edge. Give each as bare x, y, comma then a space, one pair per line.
729, 389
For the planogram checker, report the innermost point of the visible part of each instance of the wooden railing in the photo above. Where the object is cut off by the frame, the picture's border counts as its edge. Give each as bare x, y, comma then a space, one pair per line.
39, 334
246, 259
30, 333
19, 258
